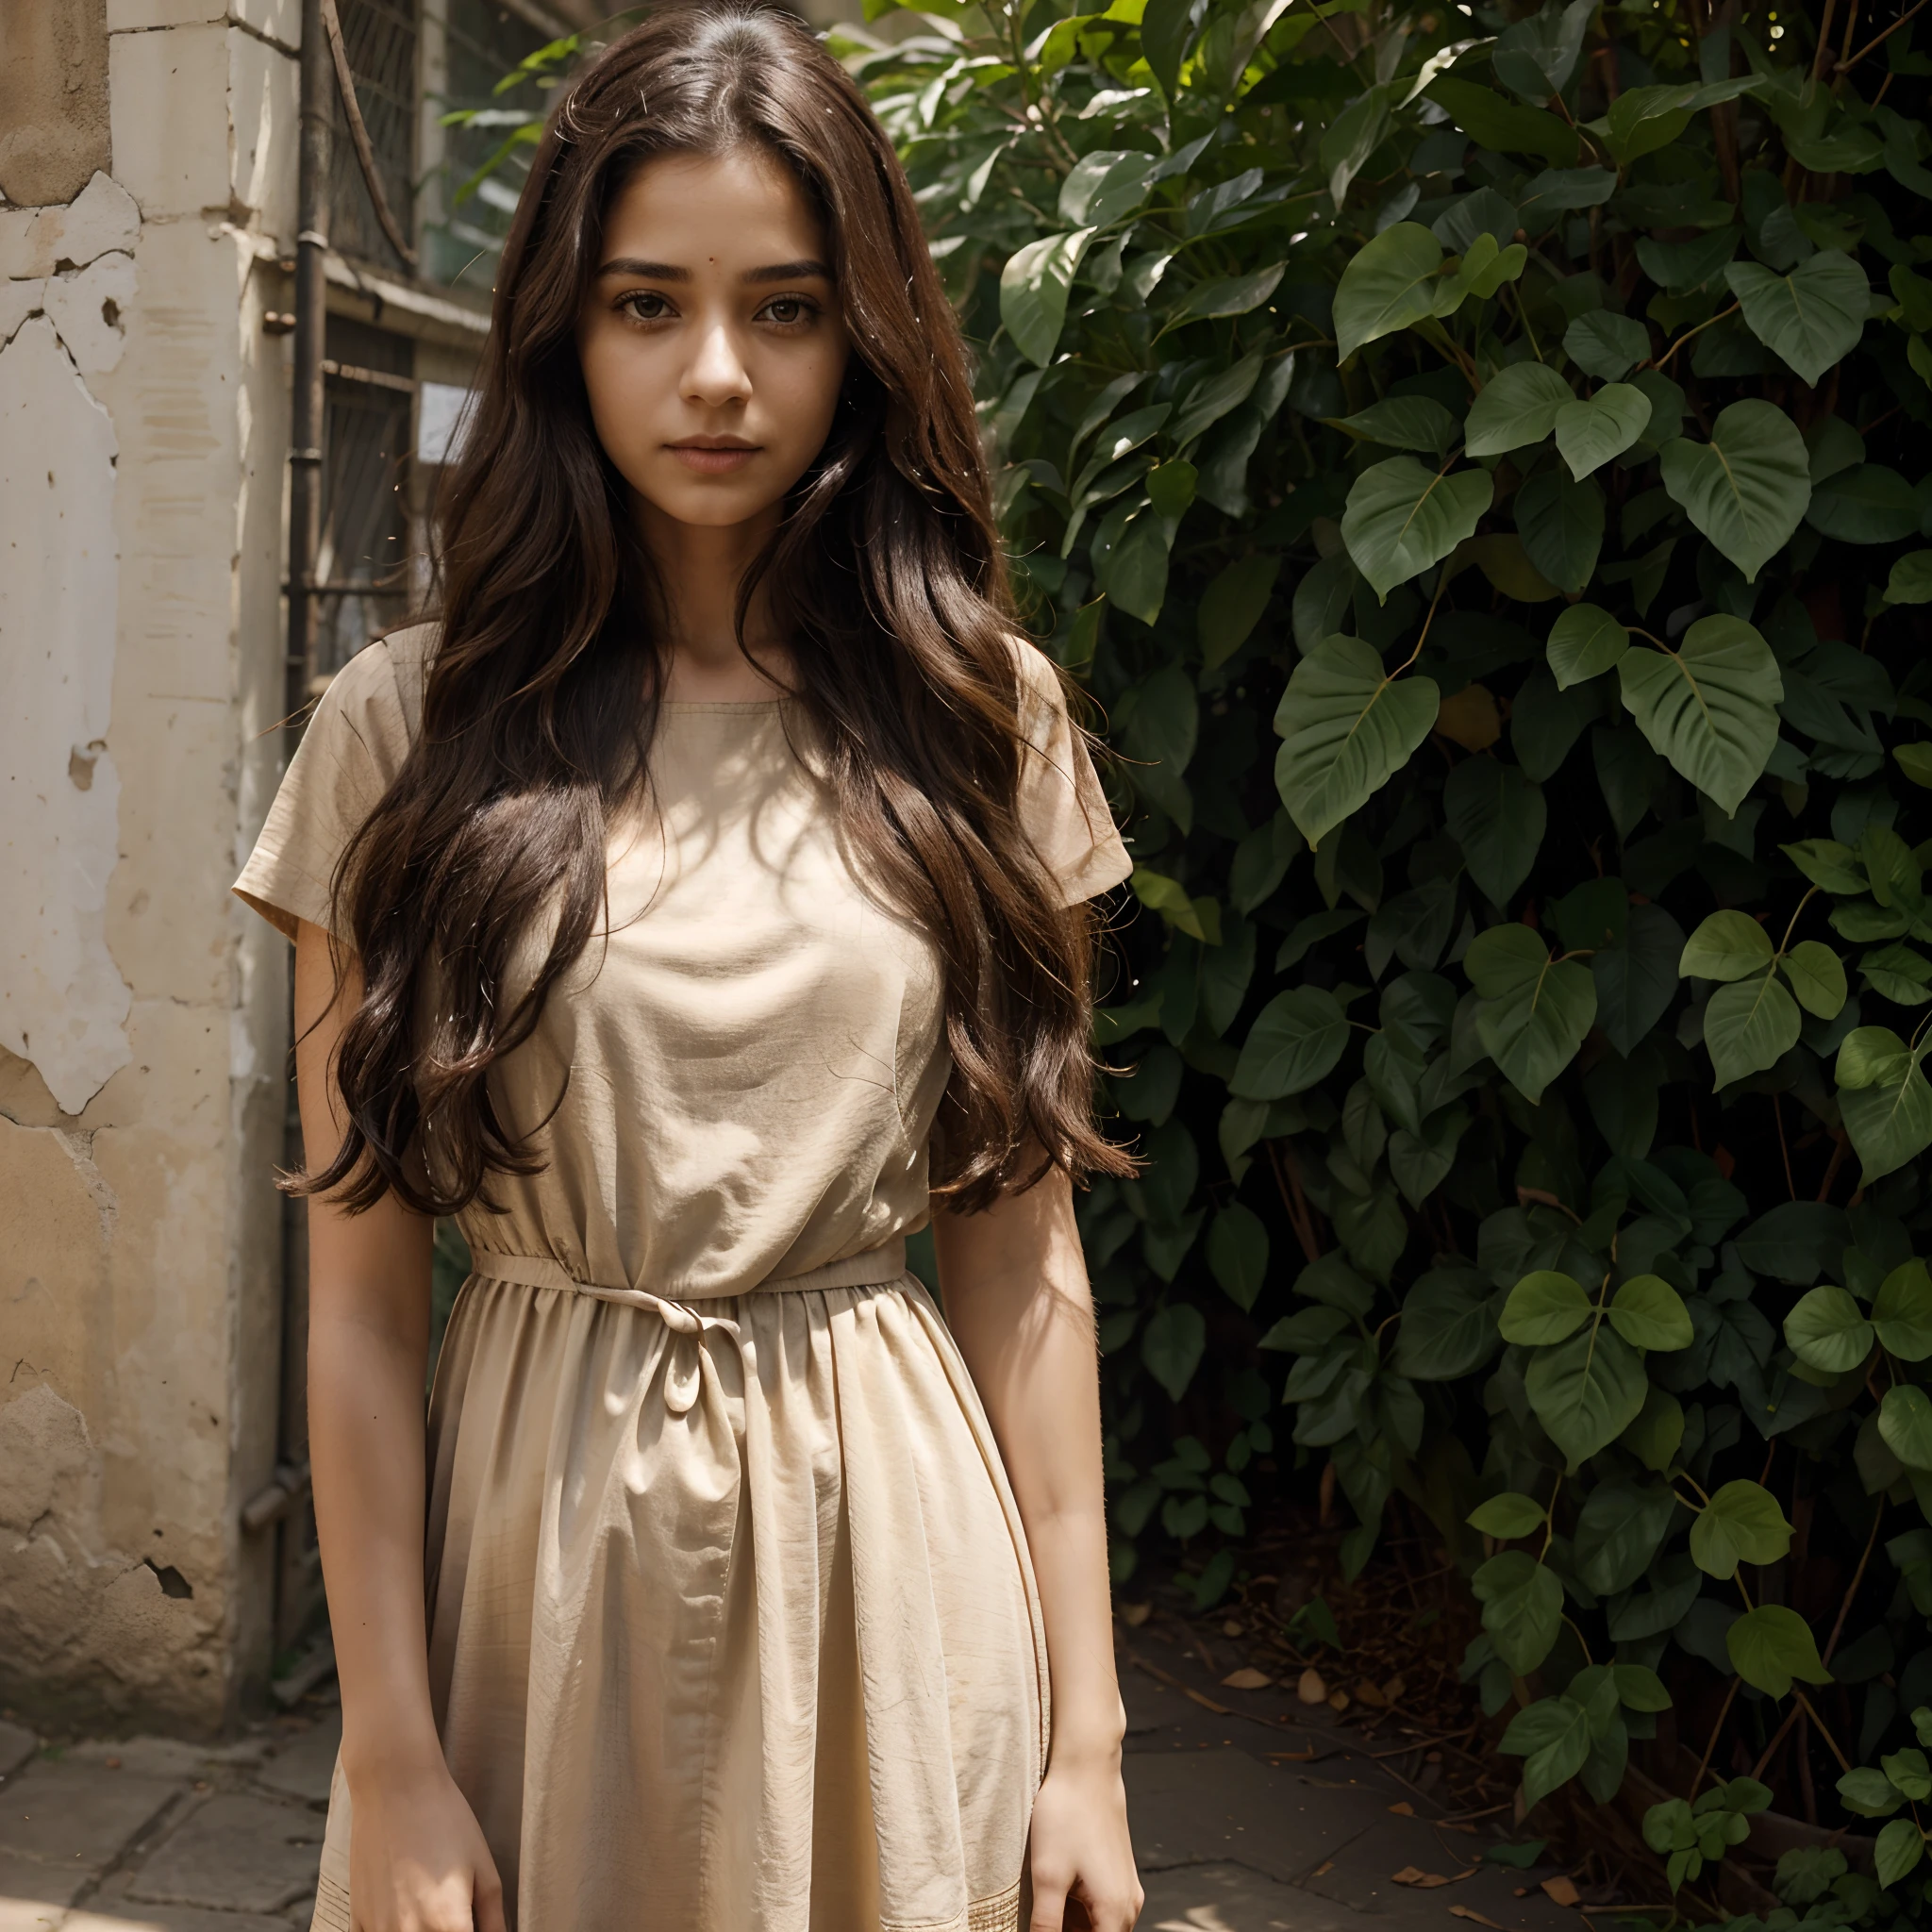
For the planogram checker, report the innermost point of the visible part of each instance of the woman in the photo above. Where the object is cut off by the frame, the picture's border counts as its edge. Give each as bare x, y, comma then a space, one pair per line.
704, 886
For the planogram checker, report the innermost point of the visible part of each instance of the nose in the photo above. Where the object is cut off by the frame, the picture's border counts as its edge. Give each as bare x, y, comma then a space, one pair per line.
716, 375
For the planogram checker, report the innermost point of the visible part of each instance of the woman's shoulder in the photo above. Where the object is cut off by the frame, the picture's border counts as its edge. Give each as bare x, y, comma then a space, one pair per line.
378, 693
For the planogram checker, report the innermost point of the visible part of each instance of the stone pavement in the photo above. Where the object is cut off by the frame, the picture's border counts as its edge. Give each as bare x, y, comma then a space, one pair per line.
1260, 1819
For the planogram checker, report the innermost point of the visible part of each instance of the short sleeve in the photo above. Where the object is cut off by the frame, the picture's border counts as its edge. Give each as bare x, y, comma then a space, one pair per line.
1061, 805
352, 747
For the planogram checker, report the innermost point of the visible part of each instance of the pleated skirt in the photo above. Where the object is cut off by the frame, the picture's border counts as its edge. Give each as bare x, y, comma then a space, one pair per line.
732, 1630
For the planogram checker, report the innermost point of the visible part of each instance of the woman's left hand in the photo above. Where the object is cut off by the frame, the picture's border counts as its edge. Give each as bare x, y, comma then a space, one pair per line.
1081, 1858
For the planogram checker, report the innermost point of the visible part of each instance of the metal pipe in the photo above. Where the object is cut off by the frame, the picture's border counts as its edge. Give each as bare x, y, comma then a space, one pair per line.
311, 324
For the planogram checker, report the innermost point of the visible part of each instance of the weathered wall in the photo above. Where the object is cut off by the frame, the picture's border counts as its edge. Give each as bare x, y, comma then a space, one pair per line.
53, 98
142, 1026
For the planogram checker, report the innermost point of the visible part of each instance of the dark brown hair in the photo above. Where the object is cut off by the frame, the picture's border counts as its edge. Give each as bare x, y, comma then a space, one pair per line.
887, 578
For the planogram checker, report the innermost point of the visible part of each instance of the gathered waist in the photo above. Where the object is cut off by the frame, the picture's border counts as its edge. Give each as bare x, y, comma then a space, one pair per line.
872, 1268
685, 1317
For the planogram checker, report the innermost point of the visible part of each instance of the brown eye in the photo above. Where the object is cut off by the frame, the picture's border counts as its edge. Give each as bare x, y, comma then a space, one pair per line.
787, 310
644, 305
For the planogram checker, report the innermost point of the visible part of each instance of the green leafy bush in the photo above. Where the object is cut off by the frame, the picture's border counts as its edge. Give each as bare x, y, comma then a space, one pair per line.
1476, 466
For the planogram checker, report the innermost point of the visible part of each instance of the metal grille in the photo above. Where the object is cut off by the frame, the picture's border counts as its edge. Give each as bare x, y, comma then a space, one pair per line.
380, 37
365, 529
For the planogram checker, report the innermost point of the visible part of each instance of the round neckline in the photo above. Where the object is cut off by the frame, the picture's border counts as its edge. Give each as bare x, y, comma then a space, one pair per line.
724, 705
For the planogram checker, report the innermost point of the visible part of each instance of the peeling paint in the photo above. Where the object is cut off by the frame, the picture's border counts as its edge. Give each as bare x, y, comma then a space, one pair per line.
63, 1003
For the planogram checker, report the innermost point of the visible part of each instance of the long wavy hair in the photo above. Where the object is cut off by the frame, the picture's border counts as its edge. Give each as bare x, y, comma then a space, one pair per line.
886, 577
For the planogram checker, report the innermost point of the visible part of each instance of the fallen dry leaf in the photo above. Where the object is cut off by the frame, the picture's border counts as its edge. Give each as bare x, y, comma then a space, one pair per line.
1247, 1679
1337, 1700
1371, 1695
1471, 718
1560, 1889
1233, 1628
1394, 1688
1403, 1809
1322, 1870
1207, 1703
1133, 1615
1423, 1881
1475, 1918
1294, 1757
1311, 1690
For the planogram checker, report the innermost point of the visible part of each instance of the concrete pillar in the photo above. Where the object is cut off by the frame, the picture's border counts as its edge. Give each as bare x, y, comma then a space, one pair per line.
143, 432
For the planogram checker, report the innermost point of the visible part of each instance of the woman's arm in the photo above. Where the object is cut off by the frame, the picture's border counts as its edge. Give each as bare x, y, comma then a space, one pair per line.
1017, 1301
418, 1861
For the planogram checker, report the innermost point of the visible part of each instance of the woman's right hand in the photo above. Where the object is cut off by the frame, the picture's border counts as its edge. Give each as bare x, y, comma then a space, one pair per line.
417, 1858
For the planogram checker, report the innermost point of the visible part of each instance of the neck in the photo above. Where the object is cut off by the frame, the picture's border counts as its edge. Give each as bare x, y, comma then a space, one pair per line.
700, 567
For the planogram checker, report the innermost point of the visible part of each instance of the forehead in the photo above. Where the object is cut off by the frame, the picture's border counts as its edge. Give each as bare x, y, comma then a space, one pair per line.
740, 208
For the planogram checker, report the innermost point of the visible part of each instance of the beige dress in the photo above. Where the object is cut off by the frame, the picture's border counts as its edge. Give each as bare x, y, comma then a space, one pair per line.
733, 1626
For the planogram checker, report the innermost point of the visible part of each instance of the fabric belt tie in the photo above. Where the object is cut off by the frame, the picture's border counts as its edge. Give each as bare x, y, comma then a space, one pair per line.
871, 1268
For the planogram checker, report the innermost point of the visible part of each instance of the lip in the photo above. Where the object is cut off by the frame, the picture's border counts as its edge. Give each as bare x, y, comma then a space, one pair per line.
713, 455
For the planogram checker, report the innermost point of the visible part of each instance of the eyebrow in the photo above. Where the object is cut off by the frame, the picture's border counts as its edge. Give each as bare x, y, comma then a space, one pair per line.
668, 271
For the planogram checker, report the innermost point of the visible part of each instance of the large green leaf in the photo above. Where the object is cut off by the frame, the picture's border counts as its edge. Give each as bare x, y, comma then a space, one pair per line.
1728, 945
1536, 1010
1503, 126
1346, 728
1812, 315
1544, 1308
1742, 1524
1605, 344
1619, 1530
1295, 1041
1905, 1422
1105, 186
1553, 1738
1586, 1391
1172, 1345
1518, 405
1590, 433
1585, 642
1710, 706
1885, 1098
1448, 1325
1238, 1253
1770, 1645
1902, 1312
1508, 1516
1866, 503
1388, 284
1637, 980
1749, 1025
1498, 817
1747, 489
1649, 1313
1522, 1608
1827, 1330
1233, 604
1561, 524
1033, 292
1402, 517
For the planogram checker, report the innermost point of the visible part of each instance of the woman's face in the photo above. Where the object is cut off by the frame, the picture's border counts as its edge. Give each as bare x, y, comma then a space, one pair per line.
712, 337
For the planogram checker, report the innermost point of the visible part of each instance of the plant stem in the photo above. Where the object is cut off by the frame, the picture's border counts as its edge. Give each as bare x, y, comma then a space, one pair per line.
1703, 1762
1844, 1764
1659, 362
1857, 1577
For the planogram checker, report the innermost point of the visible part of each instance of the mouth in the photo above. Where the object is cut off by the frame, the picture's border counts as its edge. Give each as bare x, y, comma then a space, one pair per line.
713, 455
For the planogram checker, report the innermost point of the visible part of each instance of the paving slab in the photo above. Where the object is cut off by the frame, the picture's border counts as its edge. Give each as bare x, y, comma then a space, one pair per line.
33, 1894
237, 1853
303, 1763
176, 1757
77, 1816
1204, 1807
17, 1744
1230, 1898
124, 1915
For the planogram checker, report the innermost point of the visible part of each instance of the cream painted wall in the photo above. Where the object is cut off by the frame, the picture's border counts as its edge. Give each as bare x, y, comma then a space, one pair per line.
143, 434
